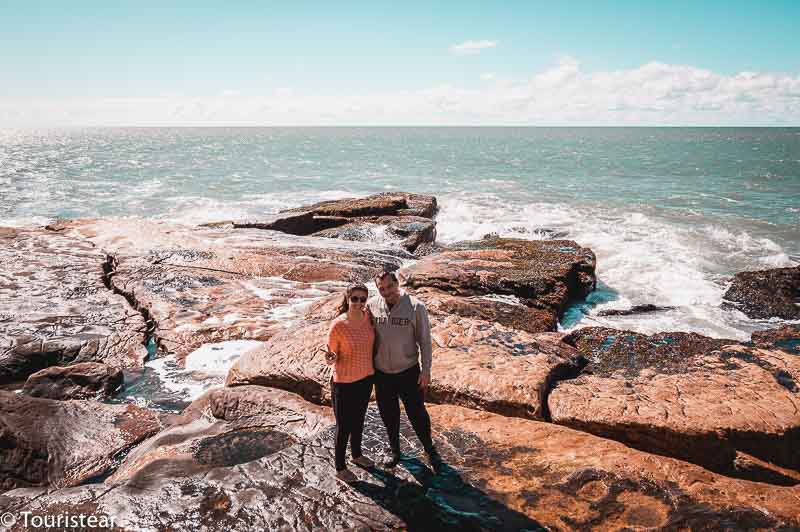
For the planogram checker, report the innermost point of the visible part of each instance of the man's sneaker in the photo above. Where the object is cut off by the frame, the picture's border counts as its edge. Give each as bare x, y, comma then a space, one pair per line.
392, 461
347, 476
435, 460
363, 461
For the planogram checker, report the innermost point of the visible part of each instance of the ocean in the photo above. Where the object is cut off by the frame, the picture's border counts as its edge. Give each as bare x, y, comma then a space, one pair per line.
671, 213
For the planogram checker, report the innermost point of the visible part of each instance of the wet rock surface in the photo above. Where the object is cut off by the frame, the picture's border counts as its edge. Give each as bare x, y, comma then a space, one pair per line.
767, 293
685, 395
611, 350
202, 286
412, 231
498, 474
85, 380
542, 274
55, 308
786, 338
64, 443
395, 215
636, 309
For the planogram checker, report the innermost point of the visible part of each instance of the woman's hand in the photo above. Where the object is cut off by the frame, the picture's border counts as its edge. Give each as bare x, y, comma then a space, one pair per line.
330, 356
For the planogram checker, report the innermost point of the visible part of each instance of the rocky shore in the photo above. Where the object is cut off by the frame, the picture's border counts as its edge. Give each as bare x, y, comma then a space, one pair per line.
599, 428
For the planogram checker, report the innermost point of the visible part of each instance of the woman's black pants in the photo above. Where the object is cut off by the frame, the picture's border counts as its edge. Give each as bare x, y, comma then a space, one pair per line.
350, 400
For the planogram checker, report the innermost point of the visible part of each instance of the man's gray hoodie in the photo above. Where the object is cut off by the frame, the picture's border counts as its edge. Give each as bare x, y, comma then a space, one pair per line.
401, 335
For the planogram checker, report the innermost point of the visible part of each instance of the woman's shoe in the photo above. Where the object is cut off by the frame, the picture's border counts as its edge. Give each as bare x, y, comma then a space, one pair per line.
347, 476
363, 461
392, 461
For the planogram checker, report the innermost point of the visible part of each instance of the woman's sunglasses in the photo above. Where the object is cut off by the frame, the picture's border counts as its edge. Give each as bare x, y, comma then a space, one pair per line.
356, 299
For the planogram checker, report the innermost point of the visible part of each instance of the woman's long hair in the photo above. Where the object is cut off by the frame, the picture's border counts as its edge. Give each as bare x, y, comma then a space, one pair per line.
344, 306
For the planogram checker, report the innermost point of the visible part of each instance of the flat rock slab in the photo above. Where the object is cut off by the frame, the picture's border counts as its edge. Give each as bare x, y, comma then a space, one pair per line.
686, 396
63, 443
508, 311
55, 308
544, 274
476, 363
85, 380
383, 204
396, 215
767, 294
499, 474
203, 286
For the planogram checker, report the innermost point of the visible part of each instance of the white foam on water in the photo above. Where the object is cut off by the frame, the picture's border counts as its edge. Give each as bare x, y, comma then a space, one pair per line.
179, 381
195, 210
640, 260
216, 359
206, 368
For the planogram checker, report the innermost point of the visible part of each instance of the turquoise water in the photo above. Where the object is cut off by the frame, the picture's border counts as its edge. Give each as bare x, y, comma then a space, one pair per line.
670, 212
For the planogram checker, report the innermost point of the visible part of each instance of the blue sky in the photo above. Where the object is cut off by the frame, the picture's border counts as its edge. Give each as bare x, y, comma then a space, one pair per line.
318, 51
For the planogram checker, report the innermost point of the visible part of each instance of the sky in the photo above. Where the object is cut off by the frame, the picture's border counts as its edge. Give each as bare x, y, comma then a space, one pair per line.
400, 63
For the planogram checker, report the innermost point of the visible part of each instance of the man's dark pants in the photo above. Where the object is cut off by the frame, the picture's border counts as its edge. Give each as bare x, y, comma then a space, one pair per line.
389, 387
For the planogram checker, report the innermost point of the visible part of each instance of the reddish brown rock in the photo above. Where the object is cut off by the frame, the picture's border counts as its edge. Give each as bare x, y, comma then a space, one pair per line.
544, 274
498, 473
475, 363
55, 308
63, 443
202, 286
292, 360
85, 380
686, 396
224, 427
505, 310
767, 293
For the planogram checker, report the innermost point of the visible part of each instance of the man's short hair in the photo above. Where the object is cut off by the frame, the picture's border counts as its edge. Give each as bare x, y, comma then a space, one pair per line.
383, 275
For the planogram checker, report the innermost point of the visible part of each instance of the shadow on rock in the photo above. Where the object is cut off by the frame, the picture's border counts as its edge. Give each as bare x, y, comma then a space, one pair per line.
440, 501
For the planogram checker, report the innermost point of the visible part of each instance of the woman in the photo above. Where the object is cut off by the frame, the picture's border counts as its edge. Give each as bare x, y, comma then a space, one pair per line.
350, 342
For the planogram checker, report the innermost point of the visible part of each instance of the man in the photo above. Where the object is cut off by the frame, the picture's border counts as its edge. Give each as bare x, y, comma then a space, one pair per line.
402, 337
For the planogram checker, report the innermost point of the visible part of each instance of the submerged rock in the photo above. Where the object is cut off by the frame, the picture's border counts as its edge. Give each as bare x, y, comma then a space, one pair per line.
684, 395
55, 308
767, 293
64, 443
85, 380
497, 473
636, 309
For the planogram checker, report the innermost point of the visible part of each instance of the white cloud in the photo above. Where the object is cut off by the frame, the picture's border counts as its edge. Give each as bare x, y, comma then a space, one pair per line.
563, 94
487, 76
472, 47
